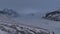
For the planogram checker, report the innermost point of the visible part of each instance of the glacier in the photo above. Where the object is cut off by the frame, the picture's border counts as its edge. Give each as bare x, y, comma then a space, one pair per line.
28, 21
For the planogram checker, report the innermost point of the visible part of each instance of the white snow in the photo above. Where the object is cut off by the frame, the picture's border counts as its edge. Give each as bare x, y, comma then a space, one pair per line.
53, 26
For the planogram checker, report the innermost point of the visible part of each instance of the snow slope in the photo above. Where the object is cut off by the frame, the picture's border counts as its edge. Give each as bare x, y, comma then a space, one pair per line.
13, 26
10, 25
43, 23
34, 22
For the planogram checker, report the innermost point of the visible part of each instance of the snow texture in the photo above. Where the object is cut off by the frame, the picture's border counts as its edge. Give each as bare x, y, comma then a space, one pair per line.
16, 29
35, 25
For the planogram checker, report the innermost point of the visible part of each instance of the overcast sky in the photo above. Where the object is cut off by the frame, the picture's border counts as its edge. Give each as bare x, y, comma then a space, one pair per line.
30, 5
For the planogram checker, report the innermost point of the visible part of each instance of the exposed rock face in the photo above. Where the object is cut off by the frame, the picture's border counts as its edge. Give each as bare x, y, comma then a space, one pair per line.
55, 15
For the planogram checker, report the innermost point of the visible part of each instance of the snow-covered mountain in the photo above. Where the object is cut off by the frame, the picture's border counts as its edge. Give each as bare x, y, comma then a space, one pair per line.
31, 23
9, 12
9, 25
55, 15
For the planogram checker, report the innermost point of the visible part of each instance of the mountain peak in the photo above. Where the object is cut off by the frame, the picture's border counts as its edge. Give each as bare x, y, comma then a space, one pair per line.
9, 12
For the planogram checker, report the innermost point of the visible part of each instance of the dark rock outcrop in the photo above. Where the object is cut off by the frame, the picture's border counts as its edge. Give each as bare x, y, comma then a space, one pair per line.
52, 13
55, 15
